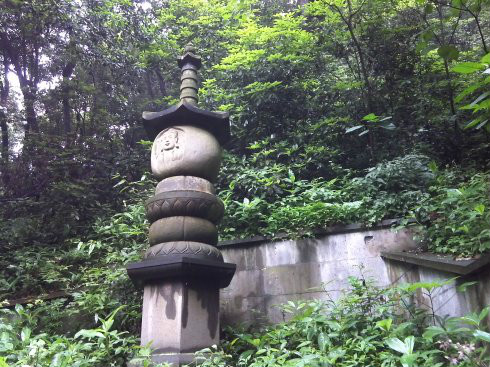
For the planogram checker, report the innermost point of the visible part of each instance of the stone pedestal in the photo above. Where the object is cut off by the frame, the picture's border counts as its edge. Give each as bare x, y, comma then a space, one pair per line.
191, 320
180, 304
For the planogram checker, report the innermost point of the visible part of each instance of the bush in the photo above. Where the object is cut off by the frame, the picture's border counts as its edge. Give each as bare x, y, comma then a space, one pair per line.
456, 216
391, 189
369, 326
279, 202
22, 345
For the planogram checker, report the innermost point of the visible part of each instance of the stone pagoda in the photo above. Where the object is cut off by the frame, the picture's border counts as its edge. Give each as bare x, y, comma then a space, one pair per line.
183, 270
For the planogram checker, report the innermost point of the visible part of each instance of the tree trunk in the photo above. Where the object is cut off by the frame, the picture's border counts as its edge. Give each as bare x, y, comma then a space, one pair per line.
161, 83
148, 85
65, 100
28, 85
29, 100
5, 136
4, 94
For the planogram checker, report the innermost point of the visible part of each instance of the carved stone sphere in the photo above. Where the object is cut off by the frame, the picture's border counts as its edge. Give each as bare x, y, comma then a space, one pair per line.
185, 150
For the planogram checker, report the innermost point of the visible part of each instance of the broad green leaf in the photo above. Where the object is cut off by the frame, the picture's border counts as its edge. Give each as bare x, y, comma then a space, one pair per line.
89, 334
351, 129
486, 59
470, 319
480, 97
484, 313
409, 360
370, 117
467, 67
482, 335
481, 124
480, 208
322, 341
432, 331
385, 324
25, 334
412, 287
397, 344
483, 105
410, 343
245, 355
465, 285
473, 87
448, 52
472, 123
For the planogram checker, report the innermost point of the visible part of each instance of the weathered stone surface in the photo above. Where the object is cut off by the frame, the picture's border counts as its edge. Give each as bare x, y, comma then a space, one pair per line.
271, 273
180, 317
188, 248
183, 229
183, 267
188, 183
185, 203
182, 271
185, 150
445, 263
217, 123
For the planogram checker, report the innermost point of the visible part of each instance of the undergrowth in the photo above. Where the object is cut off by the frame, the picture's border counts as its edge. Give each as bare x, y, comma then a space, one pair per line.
368, 326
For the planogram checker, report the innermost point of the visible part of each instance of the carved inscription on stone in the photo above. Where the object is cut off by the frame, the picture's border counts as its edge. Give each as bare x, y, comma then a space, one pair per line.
169, 145
185, 150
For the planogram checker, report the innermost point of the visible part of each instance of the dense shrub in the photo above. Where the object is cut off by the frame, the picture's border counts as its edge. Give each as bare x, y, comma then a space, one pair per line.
23, 344
456, 215
278, 202
369, 326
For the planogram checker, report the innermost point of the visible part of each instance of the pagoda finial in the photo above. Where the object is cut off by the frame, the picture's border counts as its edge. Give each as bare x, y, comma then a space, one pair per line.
189, 63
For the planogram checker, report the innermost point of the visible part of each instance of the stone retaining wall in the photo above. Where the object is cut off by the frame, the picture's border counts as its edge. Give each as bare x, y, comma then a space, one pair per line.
273, 272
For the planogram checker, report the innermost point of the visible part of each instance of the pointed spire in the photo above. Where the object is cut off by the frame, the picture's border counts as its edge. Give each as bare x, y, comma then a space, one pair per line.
189, 63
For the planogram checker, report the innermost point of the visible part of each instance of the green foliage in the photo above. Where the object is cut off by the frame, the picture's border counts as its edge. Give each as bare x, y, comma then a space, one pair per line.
481, 104
22, 345
371, 122
456, 215
284, 204
91, 271
368, 326
392, 189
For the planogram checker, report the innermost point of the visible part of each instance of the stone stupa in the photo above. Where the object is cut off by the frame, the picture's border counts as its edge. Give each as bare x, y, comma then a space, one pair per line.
183, 270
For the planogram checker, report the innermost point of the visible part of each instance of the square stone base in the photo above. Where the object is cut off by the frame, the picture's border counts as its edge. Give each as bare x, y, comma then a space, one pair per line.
174, 359
179, 317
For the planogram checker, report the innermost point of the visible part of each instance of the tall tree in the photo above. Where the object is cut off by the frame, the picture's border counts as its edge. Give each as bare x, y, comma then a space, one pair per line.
4, 94
28, 29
